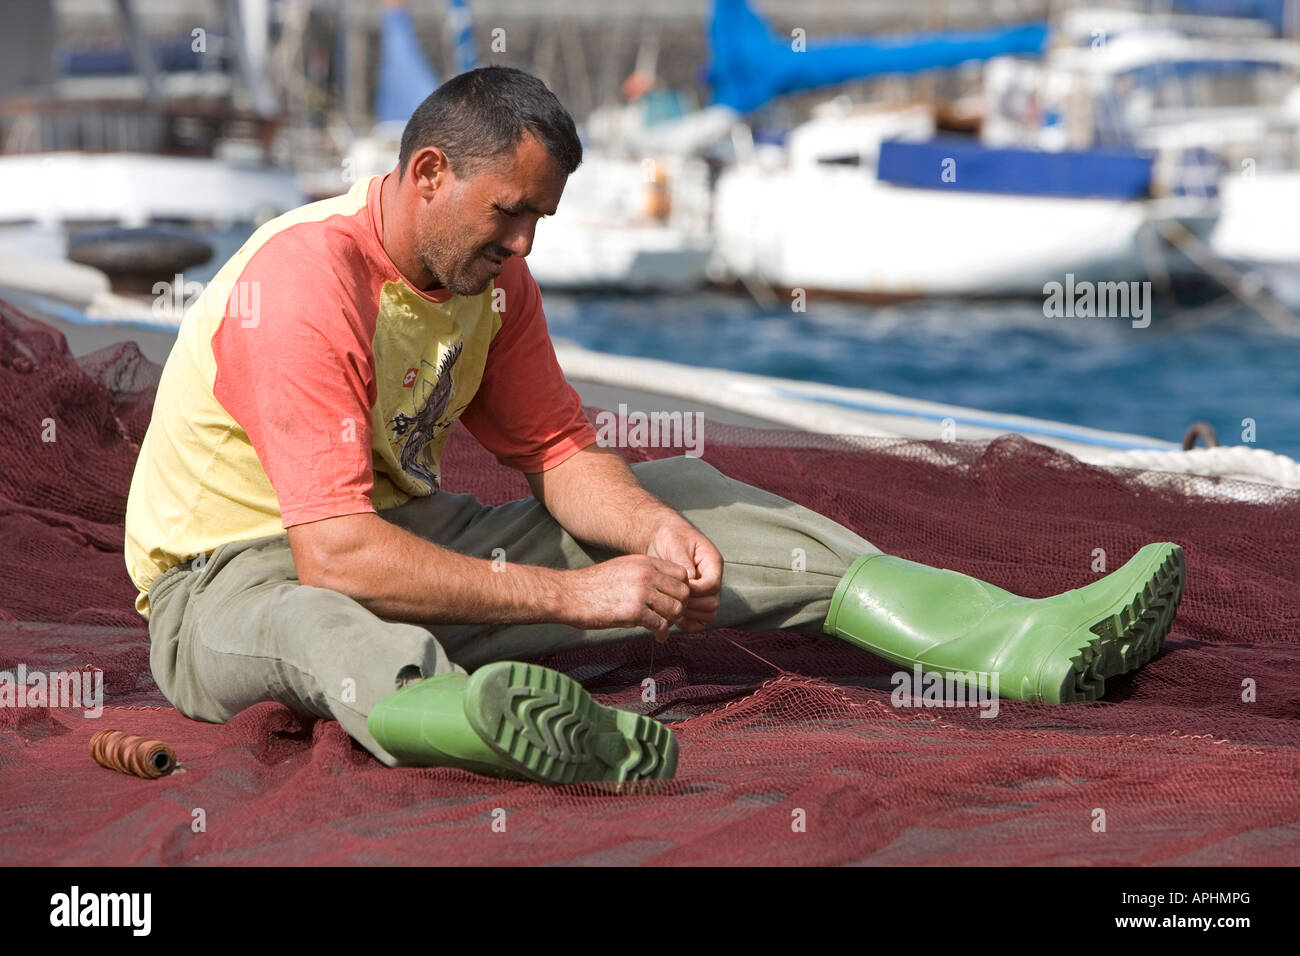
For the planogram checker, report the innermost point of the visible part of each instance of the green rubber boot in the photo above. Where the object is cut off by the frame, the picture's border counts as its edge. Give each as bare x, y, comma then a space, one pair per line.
1058, 649
523, 722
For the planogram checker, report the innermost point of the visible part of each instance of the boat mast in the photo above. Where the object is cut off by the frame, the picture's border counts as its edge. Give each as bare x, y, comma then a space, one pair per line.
141, 55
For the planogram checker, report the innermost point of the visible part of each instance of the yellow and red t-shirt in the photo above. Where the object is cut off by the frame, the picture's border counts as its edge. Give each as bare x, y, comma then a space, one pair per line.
311, 380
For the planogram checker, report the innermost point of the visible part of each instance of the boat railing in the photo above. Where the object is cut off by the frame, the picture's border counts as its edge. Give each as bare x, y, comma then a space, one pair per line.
171, 127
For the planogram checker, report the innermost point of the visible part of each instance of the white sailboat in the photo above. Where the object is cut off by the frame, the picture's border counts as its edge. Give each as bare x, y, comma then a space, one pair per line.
627, 224
1256, 231
119, 139
1055, 187
819, 224
136, 147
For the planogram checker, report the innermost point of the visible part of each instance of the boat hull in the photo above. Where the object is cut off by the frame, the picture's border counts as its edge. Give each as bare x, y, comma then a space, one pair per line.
839, 230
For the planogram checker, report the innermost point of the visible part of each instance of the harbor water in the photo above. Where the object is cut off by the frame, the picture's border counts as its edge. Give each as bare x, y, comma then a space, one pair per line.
1217, 363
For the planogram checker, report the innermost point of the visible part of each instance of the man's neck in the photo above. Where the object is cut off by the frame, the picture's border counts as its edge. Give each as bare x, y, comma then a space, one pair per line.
398, 237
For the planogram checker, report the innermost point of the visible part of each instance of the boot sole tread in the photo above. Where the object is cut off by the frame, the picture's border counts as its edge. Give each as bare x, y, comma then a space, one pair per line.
546, 725
1125, 639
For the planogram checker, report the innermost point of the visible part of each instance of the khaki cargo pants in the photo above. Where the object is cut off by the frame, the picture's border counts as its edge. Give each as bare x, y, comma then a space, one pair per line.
240, 629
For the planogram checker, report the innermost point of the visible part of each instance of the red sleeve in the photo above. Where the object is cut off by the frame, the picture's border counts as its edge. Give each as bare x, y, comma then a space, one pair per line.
525, 412
295, 369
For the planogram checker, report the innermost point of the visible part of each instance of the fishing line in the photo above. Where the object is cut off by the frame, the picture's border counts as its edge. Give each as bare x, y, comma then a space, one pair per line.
779, 670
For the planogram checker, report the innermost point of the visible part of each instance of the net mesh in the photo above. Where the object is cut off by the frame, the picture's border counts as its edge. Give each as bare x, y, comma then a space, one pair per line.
791, 750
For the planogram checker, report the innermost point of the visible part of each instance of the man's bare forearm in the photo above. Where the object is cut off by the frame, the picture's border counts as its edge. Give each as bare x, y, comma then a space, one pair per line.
401, 576
596, 497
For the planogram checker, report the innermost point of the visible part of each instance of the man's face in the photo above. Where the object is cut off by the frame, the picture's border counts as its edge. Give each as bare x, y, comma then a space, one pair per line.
472, 225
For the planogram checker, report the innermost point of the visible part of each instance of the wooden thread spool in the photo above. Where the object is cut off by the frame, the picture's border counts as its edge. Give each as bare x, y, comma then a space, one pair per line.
128, 753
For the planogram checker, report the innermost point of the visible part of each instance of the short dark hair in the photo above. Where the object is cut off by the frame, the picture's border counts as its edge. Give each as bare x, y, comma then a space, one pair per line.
480, 116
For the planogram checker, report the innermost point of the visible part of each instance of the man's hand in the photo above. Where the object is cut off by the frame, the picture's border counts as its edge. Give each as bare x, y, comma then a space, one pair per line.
680, 543
630, 591
597, 498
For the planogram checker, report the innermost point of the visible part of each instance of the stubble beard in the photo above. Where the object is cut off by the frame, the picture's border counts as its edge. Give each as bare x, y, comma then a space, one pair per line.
444, 260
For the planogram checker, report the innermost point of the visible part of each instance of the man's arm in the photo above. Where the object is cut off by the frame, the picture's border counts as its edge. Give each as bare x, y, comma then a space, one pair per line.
401, 576
596, 497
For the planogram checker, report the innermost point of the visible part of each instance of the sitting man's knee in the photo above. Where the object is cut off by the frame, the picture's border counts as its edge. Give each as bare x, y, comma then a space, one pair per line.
678, 468
685, 482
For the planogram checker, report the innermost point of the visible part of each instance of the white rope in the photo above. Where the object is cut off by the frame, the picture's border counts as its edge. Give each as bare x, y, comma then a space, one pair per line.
1240, 462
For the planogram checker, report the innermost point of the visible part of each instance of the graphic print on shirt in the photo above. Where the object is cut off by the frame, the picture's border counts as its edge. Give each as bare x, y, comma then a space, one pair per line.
428, 418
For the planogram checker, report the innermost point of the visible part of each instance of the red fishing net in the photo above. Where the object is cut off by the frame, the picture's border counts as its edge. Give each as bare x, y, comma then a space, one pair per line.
791, 751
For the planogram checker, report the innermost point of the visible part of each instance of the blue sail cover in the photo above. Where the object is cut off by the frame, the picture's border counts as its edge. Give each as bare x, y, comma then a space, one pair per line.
405, 76
1272, 12
174, 56
751, 64
966, 165
1151, 74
